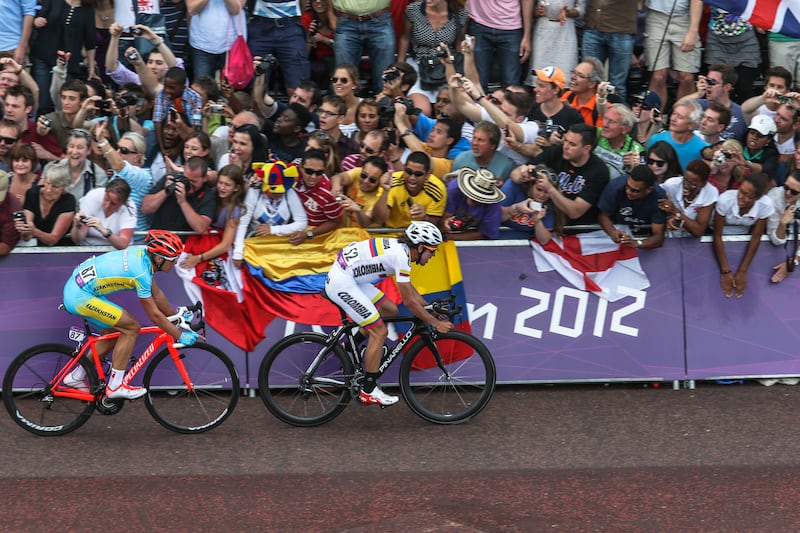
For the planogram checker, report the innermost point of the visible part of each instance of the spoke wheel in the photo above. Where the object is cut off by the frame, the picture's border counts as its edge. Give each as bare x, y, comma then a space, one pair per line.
212, 398
28, 394
457, 395
297, 396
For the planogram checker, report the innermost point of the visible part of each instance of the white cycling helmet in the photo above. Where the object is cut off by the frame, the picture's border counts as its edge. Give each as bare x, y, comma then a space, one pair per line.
424, 233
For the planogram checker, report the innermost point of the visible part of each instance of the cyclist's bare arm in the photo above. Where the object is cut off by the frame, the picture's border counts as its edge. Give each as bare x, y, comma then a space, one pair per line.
157, 308
416, 304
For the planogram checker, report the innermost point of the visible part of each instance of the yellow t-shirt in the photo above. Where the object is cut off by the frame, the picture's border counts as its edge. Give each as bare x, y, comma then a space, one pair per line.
433, 197
366, 200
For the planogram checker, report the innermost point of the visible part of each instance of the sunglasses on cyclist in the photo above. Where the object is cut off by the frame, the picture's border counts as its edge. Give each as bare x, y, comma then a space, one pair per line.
371, 179
314, 172
431, 249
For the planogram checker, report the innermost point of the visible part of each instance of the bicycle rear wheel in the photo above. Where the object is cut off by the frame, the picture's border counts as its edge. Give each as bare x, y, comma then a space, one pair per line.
214, 394
28, 394
455, 396
294, 394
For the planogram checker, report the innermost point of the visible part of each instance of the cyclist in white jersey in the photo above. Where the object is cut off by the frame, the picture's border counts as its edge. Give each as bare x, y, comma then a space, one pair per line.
350, 286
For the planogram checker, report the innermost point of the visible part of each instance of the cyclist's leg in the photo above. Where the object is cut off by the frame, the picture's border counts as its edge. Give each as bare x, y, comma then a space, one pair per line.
128, 328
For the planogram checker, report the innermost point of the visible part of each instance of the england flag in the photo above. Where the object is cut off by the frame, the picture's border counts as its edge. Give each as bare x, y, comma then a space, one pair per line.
592, 262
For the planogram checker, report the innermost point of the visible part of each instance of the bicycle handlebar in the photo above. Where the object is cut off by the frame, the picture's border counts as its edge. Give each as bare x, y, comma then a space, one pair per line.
184, 315
445, 306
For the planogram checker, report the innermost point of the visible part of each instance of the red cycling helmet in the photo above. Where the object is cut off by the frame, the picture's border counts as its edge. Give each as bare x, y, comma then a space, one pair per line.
164, 244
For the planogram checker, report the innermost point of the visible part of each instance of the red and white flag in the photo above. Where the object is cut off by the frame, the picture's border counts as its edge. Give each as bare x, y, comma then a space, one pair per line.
592, 262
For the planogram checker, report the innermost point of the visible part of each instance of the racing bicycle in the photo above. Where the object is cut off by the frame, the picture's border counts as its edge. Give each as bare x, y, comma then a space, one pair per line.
190, 389
308, 378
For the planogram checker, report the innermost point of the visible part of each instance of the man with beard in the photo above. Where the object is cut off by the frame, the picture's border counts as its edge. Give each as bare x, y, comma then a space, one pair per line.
413, 194
186, 204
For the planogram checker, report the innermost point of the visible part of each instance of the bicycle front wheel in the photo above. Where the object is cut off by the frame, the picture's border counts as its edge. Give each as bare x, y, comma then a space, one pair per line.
28, 391
211, 398
295, 392
456, 394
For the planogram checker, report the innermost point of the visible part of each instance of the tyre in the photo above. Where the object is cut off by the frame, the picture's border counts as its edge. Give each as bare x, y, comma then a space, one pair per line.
214, 394
28, 395
296, 396
457, 396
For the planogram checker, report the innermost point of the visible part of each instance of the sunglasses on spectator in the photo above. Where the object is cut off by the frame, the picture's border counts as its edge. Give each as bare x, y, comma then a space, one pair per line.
658, 163
79, 132
372, 179
368, 150
126, 151
334, 79
417, 173
314, 172
790, 190
7, 140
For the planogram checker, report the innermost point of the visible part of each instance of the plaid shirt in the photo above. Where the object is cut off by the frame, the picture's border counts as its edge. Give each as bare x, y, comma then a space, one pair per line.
191, 102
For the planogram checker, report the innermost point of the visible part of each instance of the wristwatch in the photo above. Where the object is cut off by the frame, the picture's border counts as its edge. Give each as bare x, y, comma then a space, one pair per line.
108, 234
309, 234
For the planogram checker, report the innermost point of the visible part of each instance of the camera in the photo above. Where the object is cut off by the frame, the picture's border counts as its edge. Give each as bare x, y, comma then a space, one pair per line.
390, 75
610, 89
102, 104
470, 40
724, 156
386, 110
133, 55
797, 213
655, 113
126, 100
177, 178
84, 219
441, 51
173, 114
782, 99
215, 109
137, 32
19, 215
46, 122
711, 82
268, 62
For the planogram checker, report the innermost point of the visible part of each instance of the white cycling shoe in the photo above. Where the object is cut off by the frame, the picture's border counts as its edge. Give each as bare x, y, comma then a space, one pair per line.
377, 397
125, 392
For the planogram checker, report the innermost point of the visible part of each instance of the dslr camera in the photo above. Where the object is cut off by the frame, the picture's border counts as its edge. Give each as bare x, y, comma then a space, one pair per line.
126, 100
386, 110
178, 178
268, 62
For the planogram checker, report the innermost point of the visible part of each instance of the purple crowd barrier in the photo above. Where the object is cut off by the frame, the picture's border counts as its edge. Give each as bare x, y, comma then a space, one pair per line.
538, 328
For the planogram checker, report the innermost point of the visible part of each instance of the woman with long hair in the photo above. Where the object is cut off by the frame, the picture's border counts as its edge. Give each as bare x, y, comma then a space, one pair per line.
320, 23
231, 190
663, 161
319, 140
367, 118
346, 83
248, 146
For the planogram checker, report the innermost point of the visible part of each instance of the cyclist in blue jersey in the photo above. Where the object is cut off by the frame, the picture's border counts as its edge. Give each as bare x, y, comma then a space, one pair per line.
350, 286
129, 269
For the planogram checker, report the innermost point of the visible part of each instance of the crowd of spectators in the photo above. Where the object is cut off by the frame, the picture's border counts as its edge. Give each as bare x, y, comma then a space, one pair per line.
494, 119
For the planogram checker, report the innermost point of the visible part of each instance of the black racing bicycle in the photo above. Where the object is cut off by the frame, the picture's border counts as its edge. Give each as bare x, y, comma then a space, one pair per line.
308, 378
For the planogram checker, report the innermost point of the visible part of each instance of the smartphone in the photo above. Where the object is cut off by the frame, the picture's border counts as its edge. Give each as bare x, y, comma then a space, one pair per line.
534, 205
655, 113
19, 215
173, 114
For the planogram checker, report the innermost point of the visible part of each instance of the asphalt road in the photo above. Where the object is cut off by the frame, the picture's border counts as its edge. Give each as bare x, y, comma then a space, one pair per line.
544, 458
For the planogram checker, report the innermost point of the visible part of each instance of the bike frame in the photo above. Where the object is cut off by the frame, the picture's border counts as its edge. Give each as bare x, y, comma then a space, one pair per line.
417, 329
162, 339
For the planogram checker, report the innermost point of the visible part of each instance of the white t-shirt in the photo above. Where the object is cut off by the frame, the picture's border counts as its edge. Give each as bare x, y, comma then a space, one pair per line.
739, 224
707, 196
529, 128
92, 206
